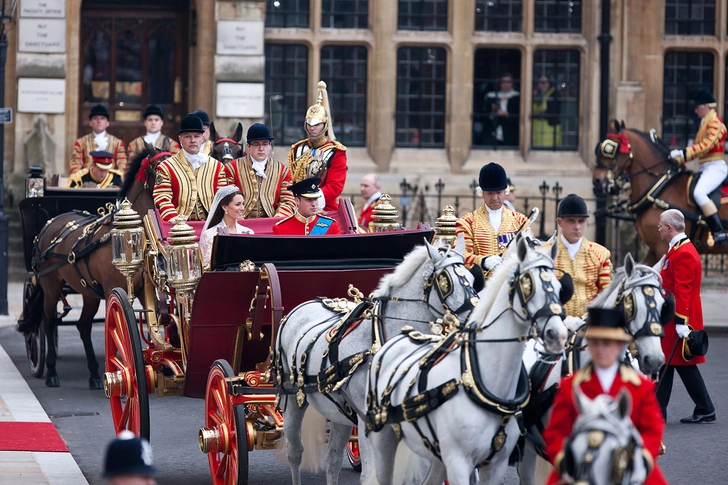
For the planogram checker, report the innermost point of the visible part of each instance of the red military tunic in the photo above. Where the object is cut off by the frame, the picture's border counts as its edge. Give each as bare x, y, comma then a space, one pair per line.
327, 162
297, 225
645, 414
681, 275
365, 216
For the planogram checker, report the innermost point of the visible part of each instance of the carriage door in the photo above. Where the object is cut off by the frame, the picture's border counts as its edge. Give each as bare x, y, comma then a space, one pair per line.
133, 54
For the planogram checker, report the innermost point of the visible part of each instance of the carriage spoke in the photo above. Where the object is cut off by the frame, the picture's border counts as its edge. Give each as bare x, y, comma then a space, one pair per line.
126, 412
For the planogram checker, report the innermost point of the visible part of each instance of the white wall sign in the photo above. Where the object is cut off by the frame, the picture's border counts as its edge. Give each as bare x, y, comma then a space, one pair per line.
240, 100
42, 35
37, 95
240, 37
43, 8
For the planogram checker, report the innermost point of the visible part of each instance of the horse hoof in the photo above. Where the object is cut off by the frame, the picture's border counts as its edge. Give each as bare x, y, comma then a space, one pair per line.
95, 383
52, 381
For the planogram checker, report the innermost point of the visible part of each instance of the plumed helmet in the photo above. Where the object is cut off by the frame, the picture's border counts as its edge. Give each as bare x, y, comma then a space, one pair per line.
321, 111
702, 96
153, 109
192, 123
492, 178
258, 131
572, 206
129, 455
99, 110
203, 116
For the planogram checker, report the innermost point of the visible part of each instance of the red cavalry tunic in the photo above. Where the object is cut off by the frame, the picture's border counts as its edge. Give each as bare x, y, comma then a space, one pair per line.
327, 162
297, 225
645, 415
681, 275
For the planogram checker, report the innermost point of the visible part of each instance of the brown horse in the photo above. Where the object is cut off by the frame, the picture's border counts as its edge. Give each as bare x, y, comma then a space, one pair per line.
657, 183
227, 149
72, 249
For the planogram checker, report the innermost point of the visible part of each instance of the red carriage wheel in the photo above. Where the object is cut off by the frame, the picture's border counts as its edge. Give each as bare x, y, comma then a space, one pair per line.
352, 451
35, 344
125, 380
225, 435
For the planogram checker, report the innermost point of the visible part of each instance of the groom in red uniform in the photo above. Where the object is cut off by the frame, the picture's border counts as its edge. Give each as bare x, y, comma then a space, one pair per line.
681, 274
305, 221
606, 339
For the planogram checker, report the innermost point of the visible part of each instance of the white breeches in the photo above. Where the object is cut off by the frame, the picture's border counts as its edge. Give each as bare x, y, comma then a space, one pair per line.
713, 174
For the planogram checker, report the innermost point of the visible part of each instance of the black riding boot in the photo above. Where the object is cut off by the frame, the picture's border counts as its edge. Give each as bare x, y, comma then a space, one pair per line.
716, 227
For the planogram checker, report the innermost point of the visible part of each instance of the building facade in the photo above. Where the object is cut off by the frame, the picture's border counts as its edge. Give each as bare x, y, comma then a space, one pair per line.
425, 89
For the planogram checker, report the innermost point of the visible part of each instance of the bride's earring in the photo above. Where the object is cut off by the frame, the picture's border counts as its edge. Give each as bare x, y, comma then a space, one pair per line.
226, 213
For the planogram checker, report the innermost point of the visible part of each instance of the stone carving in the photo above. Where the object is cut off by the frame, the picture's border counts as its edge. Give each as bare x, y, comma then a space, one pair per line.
40, 147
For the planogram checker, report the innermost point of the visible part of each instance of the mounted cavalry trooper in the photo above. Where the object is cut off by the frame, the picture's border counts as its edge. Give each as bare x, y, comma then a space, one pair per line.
153, 122
708, 147
97, 140
206, 146
187, 182
320, 155
587, 262
488, 229
265, 183
99, 175
305, 221
605, 374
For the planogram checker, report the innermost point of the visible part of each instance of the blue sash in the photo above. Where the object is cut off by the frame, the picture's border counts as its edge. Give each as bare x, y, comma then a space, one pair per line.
321, 227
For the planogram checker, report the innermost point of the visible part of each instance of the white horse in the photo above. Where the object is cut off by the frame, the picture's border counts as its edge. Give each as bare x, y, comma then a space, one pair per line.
636, 289
321, 355
604, 447
456, 401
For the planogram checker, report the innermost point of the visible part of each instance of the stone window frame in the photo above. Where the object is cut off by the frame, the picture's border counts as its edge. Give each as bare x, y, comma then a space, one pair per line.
356, 16
407, 19
291, 85
690, 17
288, 14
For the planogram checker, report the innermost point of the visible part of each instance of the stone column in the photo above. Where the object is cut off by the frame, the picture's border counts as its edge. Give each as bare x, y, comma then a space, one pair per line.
202, 93
460, 85
383, 79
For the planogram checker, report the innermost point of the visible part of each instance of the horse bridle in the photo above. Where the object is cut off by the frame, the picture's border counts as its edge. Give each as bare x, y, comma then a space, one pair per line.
441, 280
618, 144
227, 152
622, 457
524, 286
627, 302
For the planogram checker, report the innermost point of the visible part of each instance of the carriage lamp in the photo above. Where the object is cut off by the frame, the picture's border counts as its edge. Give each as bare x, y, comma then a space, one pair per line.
35, 182
184, 259
384, 216
127, 244
445, 226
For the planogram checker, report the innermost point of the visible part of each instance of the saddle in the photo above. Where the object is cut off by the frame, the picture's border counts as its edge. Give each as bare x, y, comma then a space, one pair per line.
718, 196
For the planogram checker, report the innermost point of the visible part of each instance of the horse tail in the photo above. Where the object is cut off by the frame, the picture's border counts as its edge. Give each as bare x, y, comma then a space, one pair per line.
409, 467
313, 436
32, 315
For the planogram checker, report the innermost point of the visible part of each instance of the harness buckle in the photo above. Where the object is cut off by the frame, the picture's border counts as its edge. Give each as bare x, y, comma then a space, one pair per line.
71, 258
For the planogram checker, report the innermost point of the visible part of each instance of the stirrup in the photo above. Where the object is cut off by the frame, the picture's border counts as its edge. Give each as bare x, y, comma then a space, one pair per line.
719, 238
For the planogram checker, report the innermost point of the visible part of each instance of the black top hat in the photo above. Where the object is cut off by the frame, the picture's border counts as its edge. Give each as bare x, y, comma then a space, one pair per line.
607, 323
492, 178
97, 110
308, 188
191, 123
129, 455
103, 160
203, 116
258, 131
702, 96
696, 343
572, 206
153, 109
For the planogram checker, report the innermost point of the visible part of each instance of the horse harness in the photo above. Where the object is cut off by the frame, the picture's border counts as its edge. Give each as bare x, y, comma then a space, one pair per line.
381, 412
83, 246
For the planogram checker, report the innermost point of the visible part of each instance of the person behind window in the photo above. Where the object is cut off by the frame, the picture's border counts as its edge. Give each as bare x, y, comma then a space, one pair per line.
546, 118
504, 106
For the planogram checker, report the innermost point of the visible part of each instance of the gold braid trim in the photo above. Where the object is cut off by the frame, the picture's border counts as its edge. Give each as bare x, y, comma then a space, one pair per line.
299, 164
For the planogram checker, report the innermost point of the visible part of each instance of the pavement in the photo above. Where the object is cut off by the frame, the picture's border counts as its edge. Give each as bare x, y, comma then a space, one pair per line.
18, 403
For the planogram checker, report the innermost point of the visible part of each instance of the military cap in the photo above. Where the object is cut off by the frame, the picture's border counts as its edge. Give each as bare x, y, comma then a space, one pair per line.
308, 188
606, 323
129, 455
153, 109
203, 116
492, 178
702, 96
103, 160
191, 123
99, 110
696, 343
572, 206
258, 131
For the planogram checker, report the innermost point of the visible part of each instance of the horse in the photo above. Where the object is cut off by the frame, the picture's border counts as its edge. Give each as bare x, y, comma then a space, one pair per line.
657, 183
415, 381
636, 289
227, 149
72, 249
604, 447
405, 296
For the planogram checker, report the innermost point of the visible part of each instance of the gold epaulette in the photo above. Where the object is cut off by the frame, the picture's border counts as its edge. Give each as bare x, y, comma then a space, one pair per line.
327, 218
77, 176
681, 242
116, 171
284, 220
338, 146
582, 375
628, 374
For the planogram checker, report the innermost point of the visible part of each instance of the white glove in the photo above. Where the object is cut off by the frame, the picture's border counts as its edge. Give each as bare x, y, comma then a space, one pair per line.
677, 154
321, 202
492, 262
682, 330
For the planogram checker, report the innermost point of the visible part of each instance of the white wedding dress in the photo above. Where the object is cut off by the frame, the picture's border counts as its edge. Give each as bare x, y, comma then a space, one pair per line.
209, 235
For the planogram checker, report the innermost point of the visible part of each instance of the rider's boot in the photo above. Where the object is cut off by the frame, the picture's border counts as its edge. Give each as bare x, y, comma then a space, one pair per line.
713, 220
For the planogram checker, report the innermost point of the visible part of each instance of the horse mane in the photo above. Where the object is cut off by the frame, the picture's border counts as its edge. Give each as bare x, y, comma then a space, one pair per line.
132, 168
490, 292
403, 273
602, 299
659, 144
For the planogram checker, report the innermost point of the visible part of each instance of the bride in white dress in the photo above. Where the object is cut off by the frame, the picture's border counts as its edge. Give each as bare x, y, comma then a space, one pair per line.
227, 208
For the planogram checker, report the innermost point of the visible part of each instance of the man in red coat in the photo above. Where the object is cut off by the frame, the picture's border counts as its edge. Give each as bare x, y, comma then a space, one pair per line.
306, 221
605, 374
681, 274
369, 188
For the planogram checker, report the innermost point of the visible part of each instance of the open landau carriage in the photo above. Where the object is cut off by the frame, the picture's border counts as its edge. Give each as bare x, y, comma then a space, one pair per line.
209, 334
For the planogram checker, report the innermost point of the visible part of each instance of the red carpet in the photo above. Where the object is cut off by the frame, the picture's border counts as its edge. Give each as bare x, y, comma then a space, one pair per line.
16, 436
